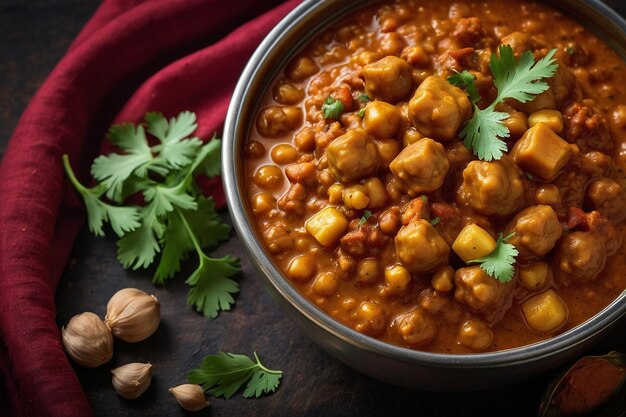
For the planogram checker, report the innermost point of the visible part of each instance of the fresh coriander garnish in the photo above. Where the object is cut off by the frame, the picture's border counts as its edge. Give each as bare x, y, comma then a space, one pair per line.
223, 374
176, 218
332, 108
364, 98
515, 79
366, 215
529, 175
424, 198
362, 113
499, 263
435, 221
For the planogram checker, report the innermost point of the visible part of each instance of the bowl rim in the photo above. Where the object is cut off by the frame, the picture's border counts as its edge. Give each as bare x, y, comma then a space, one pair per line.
247, 232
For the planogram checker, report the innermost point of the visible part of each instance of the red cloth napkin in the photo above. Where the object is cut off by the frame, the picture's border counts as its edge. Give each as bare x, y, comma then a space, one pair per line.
131, 57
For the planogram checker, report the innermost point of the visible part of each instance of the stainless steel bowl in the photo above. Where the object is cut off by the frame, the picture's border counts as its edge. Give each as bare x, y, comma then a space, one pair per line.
389, 363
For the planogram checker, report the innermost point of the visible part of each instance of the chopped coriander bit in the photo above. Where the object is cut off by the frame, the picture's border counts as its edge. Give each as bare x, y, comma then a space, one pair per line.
362, 113
529, 175
520, 80
223, 374
176, 218
332, 108
499, 264
366, 215
424, 198
364, 98
435, 221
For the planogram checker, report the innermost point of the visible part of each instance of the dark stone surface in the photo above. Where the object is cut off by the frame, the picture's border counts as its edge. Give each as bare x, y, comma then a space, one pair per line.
34, 36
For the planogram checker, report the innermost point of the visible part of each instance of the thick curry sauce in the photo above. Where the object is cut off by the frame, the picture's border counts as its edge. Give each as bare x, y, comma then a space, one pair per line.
396, 187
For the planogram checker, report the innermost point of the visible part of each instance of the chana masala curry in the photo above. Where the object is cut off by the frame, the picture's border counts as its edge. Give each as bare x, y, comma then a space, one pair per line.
447, 176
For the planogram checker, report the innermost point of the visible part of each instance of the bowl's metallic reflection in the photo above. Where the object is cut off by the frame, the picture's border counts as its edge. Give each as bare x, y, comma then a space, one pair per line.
389, 363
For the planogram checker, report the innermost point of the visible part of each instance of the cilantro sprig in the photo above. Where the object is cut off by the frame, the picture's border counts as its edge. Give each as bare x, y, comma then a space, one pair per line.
176, 219
515, 79
499, 264
332, 108
223, 374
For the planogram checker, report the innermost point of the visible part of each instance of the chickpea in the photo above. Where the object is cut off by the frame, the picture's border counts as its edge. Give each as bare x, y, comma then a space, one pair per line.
325, 284
443, 279
389, 221
376, 192
301, 268
552, 118
535, 276
263, 202
255, 149
415, 328
268, 177
355, 197
335, 193
368, 270
305, 140
517, 123
388, 150
381, 119
548, 194
397, 278
475, 335
284, 154
276, 121
411, 135
366, 57
371, 318
287, 93
301, 68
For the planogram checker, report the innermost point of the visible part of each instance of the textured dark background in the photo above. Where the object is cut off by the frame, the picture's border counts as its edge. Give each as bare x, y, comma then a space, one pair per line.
33, 37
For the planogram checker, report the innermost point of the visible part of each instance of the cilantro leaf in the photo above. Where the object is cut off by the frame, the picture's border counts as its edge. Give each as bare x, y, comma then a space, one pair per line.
113, 169
515, 79
332, 108
177, 242
223, 374
435, 221
366, 215
208, 160
211, 288
122, 219
483, 132
499, 264
364, 98
165, 198
138, 248
466, 80
174, 152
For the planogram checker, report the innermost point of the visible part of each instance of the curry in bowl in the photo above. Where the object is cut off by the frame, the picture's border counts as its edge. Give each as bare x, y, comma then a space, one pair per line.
447, 176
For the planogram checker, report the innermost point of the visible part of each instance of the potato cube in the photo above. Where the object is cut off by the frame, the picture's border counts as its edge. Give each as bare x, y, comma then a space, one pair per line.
552, 118
545, 312
473, 242
541, 152
327, 225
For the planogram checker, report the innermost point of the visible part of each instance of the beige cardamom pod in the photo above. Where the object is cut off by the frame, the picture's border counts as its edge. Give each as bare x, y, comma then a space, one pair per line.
190, 396
131, 380
88, 340
133, 315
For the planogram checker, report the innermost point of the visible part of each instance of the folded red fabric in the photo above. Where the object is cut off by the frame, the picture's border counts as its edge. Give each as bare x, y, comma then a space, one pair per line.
131, 57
